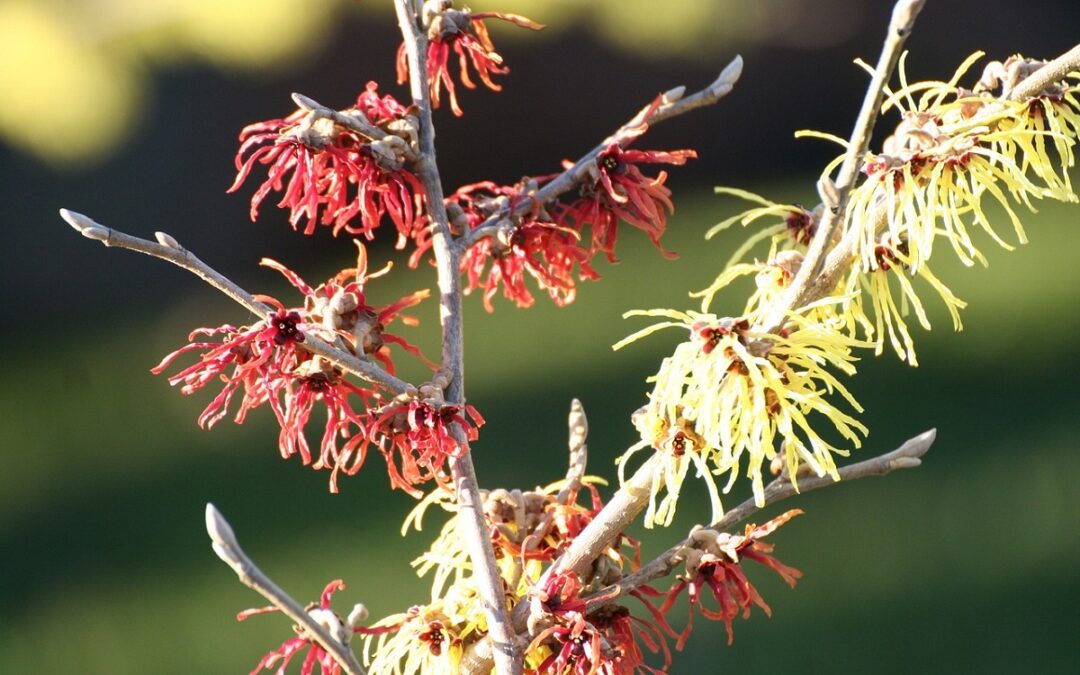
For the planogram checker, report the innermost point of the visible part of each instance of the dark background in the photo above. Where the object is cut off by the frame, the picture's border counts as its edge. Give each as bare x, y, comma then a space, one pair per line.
965, 565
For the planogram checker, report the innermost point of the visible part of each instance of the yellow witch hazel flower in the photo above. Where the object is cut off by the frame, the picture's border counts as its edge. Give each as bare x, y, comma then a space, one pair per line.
891, 263
953, 148
729, 394
427, 639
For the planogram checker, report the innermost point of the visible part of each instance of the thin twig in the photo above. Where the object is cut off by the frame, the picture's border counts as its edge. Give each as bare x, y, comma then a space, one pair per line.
166, 248
907, 456
836, 195
1050, 74
228, 549
509, 659
575, 472
579, 452
566, 180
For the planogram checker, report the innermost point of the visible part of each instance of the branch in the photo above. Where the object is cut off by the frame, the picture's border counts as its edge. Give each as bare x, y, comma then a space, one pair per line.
676, 104
508, 656
575, 472
631, 499
167, 248
835, 196
1050, 74
907, 456
228, 549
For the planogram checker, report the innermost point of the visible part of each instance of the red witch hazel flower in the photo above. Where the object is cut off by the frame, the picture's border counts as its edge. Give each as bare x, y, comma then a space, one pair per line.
463, 32
336, 176
613, 188
713, 559
530, 245
263, 362
257, 356
417, 436
341, 629
583, 642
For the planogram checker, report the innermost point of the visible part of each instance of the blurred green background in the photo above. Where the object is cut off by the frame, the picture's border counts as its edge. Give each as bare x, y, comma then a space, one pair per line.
128, 111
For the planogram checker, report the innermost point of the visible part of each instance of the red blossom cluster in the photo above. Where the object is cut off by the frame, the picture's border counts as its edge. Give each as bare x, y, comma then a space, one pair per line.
715, 562
263, 363
617, 190
465, 34
335, 176
316, 655
584, 641
417, 438
527, 246
554, 243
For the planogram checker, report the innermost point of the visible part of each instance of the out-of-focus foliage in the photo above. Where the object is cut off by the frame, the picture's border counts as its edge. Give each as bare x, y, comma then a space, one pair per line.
84, 65
74, 73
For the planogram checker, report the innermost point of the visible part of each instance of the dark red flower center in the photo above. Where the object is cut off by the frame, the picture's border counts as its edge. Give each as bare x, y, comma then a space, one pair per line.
285, 327
434, 637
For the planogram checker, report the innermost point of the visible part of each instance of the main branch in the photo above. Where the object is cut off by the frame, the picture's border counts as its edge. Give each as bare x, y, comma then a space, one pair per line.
507, 653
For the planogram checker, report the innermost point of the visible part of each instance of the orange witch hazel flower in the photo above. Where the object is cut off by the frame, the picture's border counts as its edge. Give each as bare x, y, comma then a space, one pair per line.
264, 364
713, 560
334, 176
464, 33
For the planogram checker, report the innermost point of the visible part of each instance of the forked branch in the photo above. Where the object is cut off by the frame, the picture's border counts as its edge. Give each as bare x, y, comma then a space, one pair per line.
168, 249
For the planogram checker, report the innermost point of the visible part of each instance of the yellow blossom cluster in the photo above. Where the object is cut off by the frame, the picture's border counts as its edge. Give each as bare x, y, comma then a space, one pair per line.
739, 393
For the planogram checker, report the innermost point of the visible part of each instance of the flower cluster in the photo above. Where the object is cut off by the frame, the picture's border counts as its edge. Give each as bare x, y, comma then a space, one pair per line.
737, 388
581, 640
345, 172
418, 436
427, 639
464, 33
265, 364
614, 189
954, 150
558, 241
528, 529
714, 562
730, 394
340, 629
532, 246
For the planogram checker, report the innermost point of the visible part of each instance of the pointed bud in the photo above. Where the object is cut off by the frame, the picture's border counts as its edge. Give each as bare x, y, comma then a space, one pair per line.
672, 95
731, 72
86, 225
221, 533
166, 239
830, 196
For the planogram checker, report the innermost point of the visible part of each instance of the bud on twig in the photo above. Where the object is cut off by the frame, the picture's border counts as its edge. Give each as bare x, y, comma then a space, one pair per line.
86, 225
166, 239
